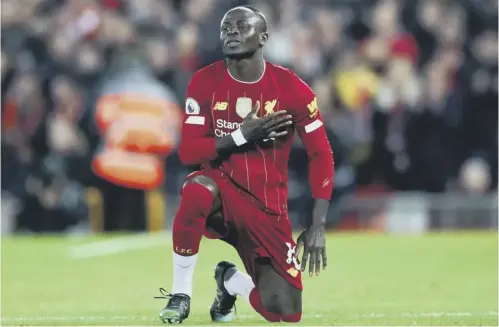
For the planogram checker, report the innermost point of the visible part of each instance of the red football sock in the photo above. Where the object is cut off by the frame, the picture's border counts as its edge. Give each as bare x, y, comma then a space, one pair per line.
296, 317
190, 219
256, 303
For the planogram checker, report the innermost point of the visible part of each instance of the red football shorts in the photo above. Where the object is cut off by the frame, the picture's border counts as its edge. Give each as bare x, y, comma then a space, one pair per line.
258, 234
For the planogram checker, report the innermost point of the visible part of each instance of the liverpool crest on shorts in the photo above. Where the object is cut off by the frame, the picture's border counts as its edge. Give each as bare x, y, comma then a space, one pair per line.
243, 107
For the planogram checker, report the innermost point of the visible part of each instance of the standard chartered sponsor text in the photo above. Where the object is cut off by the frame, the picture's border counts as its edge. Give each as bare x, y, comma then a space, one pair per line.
224, 127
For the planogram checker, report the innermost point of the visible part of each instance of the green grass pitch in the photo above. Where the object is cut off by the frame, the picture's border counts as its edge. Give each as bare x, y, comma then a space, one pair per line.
372, 279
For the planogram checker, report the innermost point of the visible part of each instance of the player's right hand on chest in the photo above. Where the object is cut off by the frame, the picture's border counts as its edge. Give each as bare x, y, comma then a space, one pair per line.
255, 129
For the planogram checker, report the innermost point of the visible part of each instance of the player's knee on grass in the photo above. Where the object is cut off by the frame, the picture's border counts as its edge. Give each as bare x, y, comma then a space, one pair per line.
277, 295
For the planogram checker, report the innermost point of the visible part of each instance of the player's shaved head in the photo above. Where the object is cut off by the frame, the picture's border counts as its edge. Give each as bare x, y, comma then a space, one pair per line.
261, 17
261, 22
243, 32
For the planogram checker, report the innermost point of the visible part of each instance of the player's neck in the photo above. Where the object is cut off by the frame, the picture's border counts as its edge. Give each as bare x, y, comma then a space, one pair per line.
249, 70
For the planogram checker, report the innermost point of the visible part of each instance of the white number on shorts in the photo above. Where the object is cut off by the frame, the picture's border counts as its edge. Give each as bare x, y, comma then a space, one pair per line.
291, 256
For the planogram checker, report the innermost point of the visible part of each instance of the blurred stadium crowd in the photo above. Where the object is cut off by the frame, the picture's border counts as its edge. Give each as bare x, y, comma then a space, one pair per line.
408, 89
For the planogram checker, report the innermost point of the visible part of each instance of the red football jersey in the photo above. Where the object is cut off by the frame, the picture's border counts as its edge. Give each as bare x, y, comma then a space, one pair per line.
216, 105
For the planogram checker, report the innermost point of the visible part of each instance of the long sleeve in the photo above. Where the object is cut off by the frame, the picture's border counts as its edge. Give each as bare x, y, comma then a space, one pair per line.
310, 127
197, 142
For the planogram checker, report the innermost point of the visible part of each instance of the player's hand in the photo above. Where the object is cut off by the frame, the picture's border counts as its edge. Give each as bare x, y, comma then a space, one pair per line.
256, 129
313, 242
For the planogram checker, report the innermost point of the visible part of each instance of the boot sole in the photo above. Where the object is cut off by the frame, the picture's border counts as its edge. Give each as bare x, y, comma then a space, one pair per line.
171, 317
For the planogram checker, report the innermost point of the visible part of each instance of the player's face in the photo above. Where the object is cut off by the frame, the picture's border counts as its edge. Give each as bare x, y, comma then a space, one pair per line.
239, 33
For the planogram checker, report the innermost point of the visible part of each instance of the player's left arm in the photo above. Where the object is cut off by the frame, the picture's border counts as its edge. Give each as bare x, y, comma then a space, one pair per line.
310, 127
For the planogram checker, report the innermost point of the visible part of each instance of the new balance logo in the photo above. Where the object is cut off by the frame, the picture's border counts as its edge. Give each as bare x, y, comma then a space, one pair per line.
220, 106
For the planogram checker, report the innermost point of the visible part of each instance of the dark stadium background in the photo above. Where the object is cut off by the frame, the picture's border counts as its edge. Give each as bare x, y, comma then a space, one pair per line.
408, 90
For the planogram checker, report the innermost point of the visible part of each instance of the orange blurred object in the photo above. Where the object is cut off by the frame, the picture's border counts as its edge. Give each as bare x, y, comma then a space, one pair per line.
128, 169
138, 131
138, 124
9, 115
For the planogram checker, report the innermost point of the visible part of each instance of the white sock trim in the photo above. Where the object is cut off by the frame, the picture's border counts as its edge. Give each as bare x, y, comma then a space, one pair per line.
238, 137
183, 273
239, 284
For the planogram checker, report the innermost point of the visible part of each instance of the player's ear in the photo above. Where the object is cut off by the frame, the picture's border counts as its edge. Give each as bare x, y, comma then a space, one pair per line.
264, 37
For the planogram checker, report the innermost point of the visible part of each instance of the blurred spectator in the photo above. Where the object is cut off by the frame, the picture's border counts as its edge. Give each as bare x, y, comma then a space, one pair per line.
408, 89
475, 176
